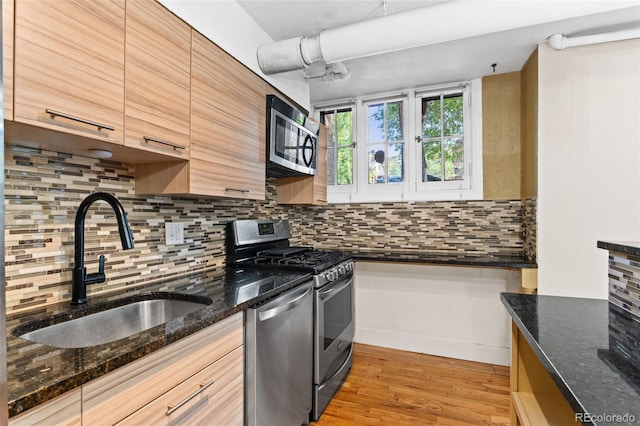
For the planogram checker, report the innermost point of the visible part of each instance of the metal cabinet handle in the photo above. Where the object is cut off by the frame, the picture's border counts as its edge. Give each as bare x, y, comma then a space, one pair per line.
236, 190
55, 114
172, 408
175, 146
274, 312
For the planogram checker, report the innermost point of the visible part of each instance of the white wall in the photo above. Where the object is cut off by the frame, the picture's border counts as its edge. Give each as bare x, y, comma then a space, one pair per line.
225, 23
440, 310
588, 163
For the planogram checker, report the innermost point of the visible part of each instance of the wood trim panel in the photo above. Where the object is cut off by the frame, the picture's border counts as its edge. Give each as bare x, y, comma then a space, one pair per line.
501, 136
157, 78
221, 403
59, 67
7, 57
64, 410
529, 119
162, 178
116, 395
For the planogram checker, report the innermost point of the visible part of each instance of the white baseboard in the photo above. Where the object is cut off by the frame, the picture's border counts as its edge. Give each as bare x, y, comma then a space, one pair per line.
434, 346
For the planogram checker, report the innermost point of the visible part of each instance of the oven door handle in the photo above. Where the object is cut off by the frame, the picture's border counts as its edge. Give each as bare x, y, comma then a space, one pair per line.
286, 306
326, 293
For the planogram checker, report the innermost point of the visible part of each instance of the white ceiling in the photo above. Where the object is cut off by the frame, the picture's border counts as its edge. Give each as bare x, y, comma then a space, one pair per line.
433, 64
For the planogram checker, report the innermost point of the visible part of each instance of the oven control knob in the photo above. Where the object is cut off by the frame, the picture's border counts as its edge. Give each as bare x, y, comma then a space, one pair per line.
331, 275
341, 270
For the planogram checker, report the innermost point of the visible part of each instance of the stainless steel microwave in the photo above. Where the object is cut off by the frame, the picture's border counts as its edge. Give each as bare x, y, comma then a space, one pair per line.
292, 140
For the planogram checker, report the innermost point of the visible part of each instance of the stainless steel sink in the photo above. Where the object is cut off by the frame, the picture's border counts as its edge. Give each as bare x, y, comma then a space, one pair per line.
112, 324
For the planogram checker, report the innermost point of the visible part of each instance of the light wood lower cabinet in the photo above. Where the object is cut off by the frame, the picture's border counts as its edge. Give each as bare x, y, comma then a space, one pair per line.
64, 410
310, 190
535, 398
212, 396
168, 376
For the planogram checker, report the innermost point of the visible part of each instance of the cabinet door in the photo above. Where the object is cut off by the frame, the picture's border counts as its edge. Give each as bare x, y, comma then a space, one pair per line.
214, 396
64, 410
115, 396
157, 79
69, 66
228, 113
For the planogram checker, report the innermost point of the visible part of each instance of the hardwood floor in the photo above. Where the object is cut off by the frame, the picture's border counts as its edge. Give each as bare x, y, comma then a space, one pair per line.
392, 387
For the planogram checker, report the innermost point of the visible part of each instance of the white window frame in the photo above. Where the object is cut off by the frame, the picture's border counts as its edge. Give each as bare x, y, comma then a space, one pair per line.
342, 193
369, 192
412, 188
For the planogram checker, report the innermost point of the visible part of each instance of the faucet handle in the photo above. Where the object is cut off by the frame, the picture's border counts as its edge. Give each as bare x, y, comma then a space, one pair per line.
97, 277
101, 264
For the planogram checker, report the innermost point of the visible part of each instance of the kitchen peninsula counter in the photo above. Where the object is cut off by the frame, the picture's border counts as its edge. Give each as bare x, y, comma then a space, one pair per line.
452, 259
38, 373
575, 342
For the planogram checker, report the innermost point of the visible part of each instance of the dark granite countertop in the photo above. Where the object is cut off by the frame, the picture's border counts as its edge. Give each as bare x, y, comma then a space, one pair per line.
37, 373
626, 247
575, 340
453, 259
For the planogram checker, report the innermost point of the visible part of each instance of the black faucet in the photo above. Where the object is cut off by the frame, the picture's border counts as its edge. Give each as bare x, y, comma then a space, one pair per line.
80, 277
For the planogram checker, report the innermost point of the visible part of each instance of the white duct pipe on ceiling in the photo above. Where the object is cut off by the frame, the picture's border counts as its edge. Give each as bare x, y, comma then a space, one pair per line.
560, 41
435, 24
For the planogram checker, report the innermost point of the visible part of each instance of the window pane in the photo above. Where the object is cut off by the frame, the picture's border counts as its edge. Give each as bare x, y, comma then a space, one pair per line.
331, 166
453, 116
344, 134
395, 163
345, 166
376, 122
377, 164
431, 161
453, 158
431, 118
394, 126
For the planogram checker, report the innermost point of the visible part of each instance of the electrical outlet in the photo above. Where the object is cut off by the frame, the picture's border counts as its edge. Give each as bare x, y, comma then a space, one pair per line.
174, 233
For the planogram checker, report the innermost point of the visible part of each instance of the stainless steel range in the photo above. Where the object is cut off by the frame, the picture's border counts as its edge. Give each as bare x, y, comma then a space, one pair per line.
265, 244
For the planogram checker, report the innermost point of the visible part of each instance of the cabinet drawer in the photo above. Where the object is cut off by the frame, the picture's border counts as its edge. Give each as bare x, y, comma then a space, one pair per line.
117, 395
64, 410
213, 396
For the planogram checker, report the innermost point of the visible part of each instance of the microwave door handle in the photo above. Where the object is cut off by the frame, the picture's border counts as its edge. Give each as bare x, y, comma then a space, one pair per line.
288, 305
307, 142
327, 293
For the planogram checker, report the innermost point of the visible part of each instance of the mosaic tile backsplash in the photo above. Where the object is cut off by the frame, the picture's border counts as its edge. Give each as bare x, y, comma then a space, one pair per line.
624, 282
43, 190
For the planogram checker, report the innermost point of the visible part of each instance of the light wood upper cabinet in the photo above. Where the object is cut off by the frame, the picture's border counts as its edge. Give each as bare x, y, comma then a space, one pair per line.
157, 79
228, 113
310, 190
69, 66
7, 57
